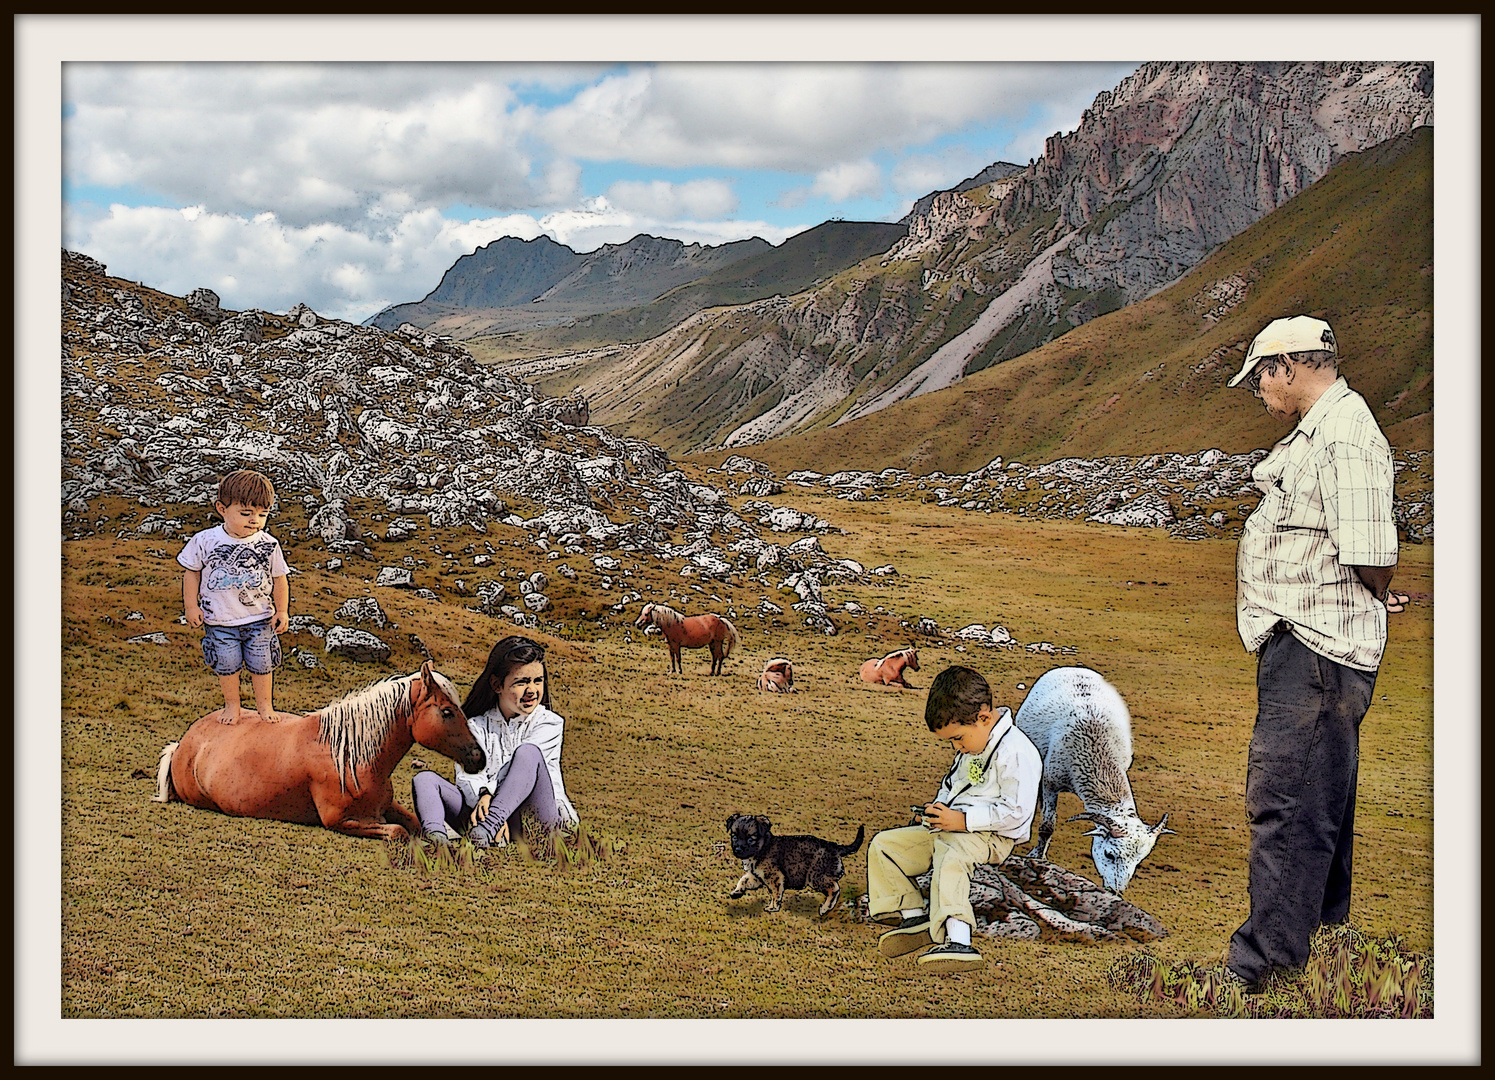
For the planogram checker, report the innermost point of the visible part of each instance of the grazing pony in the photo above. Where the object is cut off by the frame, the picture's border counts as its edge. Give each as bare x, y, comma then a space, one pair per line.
777, 677
889, 670
328, 768
691, 632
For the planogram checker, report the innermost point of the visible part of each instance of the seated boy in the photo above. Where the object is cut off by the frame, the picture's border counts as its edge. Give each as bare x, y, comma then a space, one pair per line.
984, 807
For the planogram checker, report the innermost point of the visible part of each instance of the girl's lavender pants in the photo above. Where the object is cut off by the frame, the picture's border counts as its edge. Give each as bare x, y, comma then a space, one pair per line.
438, 801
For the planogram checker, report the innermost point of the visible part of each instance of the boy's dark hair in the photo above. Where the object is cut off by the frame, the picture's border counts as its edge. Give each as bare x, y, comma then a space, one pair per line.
955, 697
247, 488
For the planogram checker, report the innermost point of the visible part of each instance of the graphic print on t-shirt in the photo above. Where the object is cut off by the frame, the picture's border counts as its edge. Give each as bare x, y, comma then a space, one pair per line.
242, 570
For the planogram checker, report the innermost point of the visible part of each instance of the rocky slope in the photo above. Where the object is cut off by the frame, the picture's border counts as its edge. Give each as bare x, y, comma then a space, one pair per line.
997, 170
1175, 161
517, 284
395, 450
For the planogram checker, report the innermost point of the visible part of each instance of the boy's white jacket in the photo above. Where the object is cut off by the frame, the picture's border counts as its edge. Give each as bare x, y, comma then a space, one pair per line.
499, 738
1001, 795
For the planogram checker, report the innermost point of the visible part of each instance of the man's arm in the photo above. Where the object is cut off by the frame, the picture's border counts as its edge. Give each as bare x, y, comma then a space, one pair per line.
1378, 580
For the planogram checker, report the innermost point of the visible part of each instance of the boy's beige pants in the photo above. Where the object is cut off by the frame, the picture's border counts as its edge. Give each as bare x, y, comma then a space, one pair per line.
897, 856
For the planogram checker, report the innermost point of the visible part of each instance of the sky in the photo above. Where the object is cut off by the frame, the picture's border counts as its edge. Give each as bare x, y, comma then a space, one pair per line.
353, 186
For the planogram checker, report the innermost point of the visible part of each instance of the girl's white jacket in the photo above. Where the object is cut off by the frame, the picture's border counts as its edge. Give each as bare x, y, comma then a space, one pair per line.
500, 738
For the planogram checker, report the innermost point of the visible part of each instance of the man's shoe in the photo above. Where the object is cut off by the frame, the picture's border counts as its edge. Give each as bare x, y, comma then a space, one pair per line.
1244, 985
908, 936
951, 957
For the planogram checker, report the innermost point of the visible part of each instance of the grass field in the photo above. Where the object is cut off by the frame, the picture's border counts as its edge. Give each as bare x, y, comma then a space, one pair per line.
169, 911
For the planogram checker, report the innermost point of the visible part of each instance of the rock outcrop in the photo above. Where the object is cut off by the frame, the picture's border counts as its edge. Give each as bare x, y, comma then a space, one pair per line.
1179, 158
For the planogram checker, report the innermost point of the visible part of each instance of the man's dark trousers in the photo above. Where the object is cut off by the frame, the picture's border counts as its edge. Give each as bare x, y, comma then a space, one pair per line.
1300, 801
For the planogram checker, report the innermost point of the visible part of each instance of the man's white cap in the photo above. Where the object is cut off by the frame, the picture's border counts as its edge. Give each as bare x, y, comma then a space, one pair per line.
1301, 333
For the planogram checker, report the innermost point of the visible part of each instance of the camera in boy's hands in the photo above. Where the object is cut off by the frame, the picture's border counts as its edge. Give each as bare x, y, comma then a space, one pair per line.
918, 812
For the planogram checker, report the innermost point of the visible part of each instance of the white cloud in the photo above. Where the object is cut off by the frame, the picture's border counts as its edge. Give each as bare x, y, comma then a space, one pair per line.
800, 117
264, 262
339, 271
848, 180
665, 201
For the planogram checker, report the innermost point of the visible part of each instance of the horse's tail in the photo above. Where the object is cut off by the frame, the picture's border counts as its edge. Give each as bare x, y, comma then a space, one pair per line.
729, 639
850, 849
165, 791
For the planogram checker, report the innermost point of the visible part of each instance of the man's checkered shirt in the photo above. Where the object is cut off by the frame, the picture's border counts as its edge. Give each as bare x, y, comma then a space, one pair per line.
1325, 508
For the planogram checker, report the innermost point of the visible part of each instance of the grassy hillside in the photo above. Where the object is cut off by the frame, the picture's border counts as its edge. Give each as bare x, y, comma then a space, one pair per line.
797, 264
169, 911
1355, 249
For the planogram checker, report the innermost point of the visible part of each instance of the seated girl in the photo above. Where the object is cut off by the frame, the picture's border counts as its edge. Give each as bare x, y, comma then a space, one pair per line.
508, 710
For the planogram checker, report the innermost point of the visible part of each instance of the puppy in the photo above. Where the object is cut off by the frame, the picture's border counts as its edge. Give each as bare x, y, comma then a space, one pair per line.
787, 862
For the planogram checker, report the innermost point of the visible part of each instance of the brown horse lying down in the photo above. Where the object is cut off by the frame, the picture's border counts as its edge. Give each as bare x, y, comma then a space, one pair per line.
328, 768
889, 671
777, 677
690, 632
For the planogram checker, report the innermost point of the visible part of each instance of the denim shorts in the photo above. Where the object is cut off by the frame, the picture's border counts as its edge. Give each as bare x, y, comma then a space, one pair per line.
255, 646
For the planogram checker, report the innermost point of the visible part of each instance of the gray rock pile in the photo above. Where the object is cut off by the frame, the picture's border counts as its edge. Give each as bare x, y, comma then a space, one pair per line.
1209, 493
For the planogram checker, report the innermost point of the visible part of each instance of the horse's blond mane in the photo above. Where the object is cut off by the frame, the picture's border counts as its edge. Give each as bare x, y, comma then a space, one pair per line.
900, 652
356, 726
666, 616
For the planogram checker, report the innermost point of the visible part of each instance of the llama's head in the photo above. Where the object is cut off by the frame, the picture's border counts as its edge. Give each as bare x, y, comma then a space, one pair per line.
1121, 843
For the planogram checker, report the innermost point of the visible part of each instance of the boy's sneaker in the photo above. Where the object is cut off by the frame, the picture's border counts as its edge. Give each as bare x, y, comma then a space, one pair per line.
908, 936
950, 957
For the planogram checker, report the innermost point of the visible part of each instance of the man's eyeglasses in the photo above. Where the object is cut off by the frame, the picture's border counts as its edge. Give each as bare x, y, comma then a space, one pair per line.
1253, 381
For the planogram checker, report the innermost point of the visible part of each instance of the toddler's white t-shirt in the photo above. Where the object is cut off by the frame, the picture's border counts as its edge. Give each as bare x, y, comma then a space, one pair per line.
237, 575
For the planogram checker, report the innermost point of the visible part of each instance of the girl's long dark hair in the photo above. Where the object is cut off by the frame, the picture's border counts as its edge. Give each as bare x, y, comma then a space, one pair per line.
508, 654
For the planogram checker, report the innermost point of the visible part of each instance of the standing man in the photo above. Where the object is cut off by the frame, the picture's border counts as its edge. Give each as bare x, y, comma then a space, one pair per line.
1313, 577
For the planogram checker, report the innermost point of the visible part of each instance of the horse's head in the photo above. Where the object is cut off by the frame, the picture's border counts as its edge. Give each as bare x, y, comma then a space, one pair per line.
644, 616
437, 722
913, 658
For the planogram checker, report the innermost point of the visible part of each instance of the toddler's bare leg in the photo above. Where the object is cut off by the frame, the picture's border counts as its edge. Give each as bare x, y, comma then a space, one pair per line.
262, 685
230, 684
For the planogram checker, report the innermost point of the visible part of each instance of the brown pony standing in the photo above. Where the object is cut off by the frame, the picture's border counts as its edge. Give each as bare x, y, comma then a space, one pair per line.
328, 768
691, 632
889, 670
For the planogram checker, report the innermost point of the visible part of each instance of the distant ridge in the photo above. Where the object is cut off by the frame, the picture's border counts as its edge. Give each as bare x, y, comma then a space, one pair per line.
997, 170
799, 263
551, 282
1356, 249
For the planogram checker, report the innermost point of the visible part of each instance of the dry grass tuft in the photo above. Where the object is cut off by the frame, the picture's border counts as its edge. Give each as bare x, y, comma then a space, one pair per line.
1349, 975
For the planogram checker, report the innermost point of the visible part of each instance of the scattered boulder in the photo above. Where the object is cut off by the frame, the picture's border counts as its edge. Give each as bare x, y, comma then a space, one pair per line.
395, 577
362, 609
354, 644
203, 304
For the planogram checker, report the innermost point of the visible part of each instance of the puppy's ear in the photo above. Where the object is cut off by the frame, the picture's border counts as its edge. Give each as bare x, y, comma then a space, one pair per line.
764, 822
731, 819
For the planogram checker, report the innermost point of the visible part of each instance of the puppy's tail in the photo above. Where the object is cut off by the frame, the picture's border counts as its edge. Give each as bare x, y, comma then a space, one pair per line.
851, 848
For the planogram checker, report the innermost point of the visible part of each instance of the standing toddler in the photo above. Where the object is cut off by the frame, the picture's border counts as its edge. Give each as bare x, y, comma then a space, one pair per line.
235, 589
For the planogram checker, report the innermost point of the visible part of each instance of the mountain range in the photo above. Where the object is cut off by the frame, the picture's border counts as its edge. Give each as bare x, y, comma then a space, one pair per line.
1160, 172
